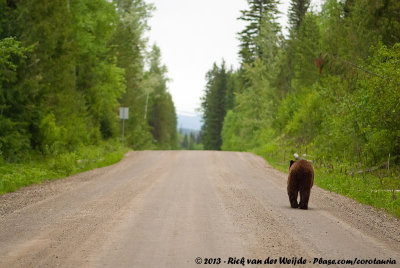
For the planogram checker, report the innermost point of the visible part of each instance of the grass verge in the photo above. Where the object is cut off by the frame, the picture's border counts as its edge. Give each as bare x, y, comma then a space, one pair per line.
14, 176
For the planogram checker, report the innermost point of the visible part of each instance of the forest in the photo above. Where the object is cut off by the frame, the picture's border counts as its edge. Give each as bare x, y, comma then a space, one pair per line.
328, 90
66, 67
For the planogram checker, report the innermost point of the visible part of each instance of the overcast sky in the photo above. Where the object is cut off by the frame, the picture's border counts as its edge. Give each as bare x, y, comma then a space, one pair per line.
192, 35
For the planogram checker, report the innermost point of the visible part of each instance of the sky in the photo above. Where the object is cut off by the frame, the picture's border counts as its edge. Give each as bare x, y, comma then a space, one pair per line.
192, 35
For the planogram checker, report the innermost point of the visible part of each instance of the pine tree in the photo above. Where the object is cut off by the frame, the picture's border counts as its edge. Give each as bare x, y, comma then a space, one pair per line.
185, 143
162, 115
297, 11
258, 12
17, 101
286, 57
306, 49
213, 106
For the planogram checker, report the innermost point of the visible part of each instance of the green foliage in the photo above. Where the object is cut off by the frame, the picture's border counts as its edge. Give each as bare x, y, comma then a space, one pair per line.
13, 142
306, 50
217, 100
231, 133
65, 69
297, 11
259, 12
252, 112
189, 139
152, 122
162, 116
369, 22
305, 123
14, 100
15, 176
50, 134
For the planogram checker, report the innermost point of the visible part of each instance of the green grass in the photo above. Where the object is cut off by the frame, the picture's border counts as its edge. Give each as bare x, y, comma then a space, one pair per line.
367, 188
14, 176
370, 188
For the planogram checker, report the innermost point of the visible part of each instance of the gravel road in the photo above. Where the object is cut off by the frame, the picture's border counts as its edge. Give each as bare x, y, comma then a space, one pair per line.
167, 208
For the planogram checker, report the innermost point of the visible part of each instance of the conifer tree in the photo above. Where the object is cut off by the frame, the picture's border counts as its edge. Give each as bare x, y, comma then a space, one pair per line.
213, 106
258, 12
297, 11
162, 115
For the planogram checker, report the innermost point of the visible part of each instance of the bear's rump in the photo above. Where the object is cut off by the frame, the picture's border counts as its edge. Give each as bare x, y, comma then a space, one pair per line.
301, 179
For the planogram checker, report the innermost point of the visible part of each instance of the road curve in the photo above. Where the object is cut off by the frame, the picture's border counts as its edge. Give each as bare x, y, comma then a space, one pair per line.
167, 208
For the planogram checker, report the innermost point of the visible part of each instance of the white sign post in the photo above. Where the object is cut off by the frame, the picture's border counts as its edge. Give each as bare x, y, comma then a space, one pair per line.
123, 114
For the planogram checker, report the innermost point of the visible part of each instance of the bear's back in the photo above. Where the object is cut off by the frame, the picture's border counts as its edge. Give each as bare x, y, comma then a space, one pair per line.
301, 172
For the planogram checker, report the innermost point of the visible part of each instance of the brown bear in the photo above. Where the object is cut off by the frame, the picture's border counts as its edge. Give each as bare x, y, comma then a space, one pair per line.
301, 179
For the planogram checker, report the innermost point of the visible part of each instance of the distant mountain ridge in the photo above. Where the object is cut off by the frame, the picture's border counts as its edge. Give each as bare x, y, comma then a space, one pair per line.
189, 121
189, 131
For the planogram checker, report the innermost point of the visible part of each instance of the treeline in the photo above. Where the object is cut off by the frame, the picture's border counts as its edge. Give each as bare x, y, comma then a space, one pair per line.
189, 139
217, 100
65, 69
330, 88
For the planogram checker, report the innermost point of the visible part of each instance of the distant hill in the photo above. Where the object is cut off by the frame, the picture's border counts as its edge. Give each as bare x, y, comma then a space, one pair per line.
184, 131
186, 121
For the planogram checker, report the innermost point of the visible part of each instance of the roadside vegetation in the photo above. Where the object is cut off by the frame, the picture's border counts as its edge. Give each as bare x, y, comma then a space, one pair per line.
38, 168
329, 88
65, 69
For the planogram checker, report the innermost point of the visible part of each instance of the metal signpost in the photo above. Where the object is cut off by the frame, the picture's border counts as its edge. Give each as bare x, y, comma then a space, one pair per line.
123, 114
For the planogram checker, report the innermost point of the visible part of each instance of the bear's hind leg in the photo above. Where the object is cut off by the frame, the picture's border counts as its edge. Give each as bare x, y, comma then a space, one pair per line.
304, 197
293, 198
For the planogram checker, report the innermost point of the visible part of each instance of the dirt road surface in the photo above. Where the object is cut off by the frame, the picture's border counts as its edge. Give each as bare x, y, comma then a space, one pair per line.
167, 208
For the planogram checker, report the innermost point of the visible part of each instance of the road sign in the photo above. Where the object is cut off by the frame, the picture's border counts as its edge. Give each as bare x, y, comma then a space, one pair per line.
123, 113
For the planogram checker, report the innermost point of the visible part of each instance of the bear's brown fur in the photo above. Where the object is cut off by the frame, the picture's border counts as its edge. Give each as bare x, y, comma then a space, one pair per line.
301, 179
